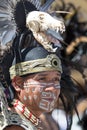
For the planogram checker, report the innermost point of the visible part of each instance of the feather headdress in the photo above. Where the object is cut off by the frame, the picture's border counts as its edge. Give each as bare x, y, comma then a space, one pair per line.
12, 30
12, 15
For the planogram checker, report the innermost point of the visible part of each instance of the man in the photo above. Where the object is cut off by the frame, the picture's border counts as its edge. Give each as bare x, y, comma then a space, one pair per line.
17, 36
36, 84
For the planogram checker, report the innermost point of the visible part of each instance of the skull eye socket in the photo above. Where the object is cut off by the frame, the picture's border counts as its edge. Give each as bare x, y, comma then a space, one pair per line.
41, 16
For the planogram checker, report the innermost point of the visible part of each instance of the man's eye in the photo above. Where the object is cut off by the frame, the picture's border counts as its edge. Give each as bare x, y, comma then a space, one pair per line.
56, 79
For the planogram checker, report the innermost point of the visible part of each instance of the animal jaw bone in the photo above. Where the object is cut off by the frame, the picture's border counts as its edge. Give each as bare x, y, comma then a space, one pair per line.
39, 23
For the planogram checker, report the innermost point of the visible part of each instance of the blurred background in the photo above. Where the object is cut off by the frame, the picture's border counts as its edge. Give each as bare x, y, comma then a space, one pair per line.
75, 36
74, 55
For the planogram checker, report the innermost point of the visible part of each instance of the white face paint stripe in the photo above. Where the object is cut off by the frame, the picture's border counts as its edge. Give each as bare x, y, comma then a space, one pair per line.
25, 98
42, 84
52, 105
47, 95
44, 105
35, 97
29, 97
45, 102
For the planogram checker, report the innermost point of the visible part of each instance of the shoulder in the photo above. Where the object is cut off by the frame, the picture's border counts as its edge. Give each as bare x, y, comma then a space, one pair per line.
13, 121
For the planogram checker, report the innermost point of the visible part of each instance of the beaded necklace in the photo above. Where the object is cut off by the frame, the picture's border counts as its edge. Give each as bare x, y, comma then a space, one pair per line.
25, 112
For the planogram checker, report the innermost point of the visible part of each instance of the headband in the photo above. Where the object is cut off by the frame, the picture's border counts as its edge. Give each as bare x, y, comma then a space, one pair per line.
51, 62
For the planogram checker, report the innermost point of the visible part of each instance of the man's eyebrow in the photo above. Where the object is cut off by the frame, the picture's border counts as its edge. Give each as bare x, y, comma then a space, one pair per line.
40, 75
44, 74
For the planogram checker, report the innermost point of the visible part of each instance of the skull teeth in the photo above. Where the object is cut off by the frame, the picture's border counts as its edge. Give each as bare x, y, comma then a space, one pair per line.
57, 30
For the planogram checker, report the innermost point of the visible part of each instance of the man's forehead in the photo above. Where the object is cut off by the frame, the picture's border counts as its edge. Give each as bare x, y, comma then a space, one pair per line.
47, 73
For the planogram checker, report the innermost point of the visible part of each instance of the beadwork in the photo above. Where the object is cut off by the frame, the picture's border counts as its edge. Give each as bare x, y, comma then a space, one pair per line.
24, 111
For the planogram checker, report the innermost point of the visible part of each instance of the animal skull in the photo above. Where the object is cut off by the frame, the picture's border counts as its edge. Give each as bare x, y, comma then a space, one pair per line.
45, 28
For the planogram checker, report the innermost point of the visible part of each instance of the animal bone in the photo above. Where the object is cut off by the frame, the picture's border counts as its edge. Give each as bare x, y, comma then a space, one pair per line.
40, 23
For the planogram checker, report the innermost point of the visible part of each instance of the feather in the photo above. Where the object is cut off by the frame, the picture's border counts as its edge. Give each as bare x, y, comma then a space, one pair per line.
12, 27
46, 5
6, 21
10, 17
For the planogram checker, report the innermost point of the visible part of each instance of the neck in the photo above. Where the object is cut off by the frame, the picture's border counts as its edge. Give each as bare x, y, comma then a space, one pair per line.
34, 111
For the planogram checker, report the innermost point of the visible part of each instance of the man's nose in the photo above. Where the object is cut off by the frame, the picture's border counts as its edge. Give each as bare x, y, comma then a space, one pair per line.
50, 88
52, 85
53, 90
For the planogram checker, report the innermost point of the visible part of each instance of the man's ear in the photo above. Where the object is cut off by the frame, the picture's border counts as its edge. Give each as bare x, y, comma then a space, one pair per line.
17, 83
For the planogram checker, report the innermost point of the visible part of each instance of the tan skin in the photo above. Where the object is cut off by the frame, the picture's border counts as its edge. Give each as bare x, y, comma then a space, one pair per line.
20, 83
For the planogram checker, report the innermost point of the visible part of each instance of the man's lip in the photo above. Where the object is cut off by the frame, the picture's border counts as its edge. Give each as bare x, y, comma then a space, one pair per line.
49, 99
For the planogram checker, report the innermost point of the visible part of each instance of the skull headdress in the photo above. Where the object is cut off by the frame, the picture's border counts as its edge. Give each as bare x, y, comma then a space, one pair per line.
45, 28
22, 26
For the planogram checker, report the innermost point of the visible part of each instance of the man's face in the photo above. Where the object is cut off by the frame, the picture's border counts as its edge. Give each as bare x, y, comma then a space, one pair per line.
40, 91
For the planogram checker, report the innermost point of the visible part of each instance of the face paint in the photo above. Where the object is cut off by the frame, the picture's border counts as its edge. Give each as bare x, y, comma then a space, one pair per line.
35, 97
48, 100
29, 97
44, 85
44, 104
25, 98
55, 97
39, 89
26, 87
40, 86
46, 95
27, 90
33, 89
47, 105
52, 105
